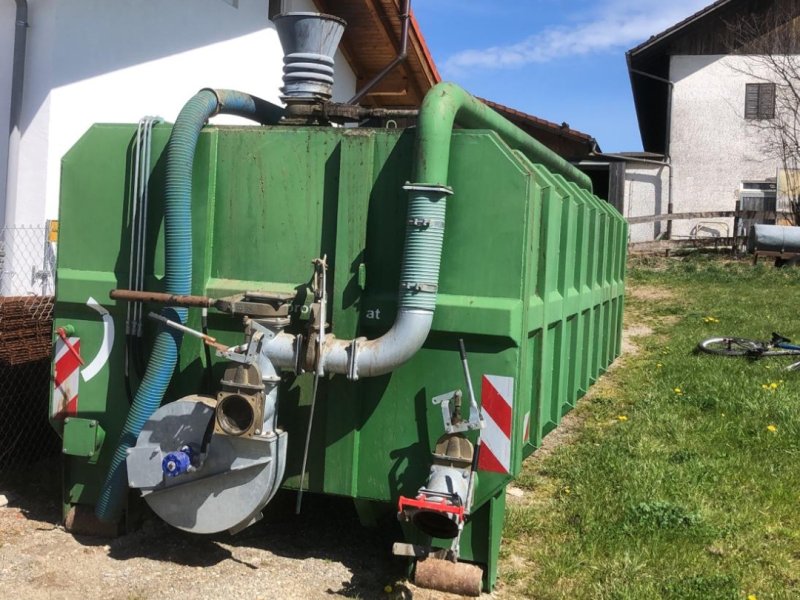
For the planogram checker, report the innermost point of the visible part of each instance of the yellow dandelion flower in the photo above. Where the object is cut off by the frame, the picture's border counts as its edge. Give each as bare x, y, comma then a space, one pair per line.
752, 597
622, 418
772, 428
773, 385
388, 589
764, 386
678, 391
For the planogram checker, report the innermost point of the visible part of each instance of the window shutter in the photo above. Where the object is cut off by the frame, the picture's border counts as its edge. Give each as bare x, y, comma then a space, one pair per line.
759, 101
751, 101
766, 101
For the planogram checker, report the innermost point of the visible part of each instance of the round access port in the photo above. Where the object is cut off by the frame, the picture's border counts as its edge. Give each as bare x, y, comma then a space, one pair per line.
235, 415
436, 524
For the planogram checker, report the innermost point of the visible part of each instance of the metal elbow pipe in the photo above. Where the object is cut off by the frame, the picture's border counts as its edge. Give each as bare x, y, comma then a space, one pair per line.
446, 104
370, 358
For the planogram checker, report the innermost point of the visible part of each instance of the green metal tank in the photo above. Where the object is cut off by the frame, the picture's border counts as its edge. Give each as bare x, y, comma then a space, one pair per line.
531, 280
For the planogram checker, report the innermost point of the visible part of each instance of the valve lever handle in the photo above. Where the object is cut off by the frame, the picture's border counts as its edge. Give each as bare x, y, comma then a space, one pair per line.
65, 338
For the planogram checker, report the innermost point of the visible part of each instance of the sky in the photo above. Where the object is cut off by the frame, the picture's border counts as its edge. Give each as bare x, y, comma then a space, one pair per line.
561, 60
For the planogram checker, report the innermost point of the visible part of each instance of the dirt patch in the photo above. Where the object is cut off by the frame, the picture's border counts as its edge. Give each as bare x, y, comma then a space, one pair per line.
650, 292
563, 434
322, 553
630, 333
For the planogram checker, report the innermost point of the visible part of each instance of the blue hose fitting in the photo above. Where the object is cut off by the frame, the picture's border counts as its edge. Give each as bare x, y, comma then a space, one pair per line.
177, 463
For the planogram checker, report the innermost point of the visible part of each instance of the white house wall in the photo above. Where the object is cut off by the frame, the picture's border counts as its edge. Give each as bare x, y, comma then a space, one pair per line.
646, 190
7, 19
713, 147
94, 61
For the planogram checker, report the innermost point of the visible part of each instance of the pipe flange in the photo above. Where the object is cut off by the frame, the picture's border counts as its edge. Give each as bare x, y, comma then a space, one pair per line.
352, 358
298, 355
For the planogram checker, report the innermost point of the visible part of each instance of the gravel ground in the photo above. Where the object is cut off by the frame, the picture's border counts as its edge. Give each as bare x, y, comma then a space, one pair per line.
325, 552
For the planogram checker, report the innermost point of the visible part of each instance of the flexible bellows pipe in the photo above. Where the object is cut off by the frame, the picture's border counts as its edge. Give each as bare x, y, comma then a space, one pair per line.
422, 257
178, 252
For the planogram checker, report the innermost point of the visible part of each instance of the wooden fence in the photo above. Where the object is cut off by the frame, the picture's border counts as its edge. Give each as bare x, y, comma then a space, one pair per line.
715, 242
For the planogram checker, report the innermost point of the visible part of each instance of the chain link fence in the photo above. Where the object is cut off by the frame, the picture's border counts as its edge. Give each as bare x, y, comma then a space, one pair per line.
27, 282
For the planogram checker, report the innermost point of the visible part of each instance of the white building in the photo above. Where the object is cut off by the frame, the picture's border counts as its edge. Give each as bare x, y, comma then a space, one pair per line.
88, 61
702, 103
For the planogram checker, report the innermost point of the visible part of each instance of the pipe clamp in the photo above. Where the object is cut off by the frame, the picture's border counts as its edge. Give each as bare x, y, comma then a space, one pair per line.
220, 104
413, 286
427, 187
352, 359
426, 223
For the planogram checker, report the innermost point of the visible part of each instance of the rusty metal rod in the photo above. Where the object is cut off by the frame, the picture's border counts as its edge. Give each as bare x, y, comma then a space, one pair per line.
161, 298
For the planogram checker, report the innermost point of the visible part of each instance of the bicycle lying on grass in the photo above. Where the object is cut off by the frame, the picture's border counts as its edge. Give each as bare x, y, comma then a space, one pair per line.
733, 346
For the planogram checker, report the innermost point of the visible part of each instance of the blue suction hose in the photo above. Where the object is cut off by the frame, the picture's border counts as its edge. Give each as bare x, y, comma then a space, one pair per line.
178, 249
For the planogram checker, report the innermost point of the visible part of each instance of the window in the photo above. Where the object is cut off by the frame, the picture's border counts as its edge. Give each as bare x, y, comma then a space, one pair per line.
759, 101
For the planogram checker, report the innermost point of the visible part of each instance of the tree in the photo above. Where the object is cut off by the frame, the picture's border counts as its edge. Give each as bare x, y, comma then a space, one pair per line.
769, 39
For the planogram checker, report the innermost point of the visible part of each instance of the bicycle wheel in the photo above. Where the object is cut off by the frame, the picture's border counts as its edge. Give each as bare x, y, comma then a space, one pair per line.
728, 346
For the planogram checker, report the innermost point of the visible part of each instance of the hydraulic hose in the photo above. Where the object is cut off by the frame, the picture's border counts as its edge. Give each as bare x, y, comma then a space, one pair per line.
180, 154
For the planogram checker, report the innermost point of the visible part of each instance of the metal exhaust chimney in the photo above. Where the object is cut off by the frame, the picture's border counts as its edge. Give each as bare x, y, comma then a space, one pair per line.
309, 41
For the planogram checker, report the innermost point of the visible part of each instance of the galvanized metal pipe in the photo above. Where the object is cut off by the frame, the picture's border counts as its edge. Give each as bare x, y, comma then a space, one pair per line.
668, 134
405, 18
17, 83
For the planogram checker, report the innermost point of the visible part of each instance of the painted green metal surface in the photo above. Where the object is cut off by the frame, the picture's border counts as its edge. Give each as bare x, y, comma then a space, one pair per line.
532, 279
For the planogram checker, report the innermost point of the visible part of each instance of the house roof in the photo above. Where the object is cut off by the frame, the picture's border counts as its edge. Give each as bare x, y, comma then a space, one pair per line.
372, 40
706, 32
561, 139
662, 37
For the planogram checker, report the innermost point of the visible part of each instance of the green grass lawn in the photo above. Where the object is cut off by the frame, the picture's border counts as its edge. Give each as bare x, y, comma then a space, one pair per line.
682, 477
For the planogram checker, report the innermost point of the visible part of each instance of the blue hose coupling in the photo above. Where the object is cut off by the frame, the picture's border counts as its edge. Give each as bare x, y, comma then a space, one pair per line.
177, 463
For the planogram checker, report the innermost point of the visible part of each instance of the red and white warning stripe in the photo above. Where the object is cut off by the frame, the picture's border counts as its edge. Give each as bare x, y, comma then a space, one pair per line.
497, 404
65, 379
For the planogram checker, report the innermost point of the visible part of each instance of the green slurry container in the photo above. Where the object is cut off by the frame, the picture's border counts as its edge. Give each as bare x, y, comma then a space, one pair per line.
430, 235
